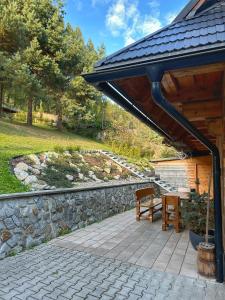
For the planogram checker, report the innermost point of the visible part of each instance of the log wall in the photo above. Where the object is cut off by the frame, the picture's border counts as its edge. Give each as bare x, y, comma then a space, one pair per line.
197, 170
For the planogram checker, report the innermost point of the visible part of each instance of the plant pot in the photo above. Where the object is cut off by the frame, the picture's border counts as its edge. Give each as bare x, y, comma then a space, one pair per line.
196, 238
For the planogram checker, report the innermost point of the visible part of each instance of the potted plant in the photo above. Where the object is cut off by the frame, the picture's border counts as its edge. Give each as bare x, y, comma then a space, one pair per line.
194, 218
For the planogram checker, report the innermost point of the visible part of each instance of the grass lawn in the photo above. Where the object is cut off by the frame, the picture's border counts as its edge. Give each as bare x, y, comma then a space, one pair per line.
17, 139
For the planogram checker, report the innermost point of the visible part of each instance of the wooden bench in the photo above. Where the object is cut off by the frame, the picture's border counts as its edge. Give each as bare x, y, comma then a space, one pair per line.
146, 198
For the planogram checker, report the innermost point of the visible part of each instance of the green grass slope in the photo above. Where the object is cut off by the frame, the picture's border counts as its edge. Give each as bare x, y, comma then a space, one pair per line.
17, 139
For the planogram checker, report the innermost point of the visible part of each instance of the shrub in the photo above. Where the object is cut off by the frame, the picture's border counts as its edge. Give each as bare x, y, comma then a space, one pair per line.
64, 231
55, 178
59, 149
194, 213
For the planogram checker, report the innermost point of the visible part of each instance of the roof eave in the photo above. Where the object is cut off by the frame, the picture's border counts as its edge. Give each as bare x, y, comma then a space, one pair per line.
137, 67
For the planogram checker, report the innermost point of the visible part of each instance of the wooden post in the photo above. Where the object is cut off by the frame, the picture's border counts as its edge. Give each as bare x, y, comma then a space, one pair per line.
207, 215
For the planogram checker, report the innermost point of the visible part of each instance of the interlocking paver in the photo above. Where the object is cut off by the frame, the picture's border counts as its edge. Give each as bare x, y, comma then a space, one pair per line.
56, 272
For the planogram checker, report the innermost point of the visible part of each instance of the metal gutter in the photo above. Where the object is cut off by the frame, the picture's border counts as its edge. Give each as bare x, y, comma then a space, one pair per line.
155, 77
167, 63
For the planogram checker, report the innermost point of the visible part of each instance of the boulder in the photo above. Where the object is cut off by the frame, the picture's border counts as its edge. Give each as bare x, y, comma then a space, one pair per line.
35, 171
108, 163
107, 170
37, 187
30, 179
81, 176
34, 158
72, 165
119, 168
95, 178
22, 166
52, 155
81, 158
67, 153
38, 167
20, 174
69, 177
43, 165
42, 157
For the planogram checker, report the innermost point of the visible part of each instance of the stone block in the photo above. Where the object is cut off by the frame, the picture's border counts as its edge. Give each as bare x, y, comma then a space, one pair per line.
9, 224
5, 235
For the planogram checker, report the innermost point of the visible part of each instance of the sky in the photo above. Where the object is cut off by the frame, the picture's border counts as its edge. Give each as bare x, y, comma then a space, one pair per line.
118, 23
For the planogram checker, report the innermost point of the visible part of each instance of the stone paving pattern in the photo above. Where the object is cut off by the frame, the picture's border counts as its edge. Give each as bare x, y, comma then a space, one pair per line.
141, 243
29, 219
49, 272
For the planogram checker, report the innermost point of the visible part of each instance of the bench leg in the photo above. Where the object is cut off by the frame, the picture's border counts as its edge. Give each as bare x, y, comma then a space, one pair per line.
150, 215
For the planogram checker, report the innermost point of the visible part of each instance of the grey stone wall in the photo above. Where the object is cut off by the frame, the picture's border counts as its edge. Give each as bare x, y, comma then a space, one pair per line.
28, 219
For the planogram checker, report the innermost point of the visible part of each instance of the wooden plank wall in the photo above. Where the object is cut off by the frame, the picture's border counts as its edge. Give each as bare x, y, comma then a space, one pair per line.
198, 170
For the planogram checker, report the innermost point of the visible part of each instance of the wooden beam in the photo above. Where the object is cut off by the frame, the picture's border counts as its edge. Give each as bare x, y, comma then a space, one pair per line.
215, 127
170, 83
193, 94
202, 110
218, 67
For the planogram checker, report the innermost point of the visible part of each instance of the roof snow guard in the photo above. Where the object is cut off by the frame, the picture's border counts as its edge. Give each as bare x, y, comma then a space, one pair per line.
205, 31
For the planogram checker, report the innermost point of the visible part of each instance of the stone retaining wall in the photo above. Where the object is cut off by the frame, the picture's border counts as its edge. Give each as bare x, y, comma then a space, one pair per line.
28, 219
175, 175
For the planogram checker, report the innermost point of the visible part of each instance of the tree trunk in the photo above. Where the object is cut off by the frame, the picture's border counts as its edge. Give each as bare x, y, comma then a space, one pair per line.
30, 112
103, 114
1, 100
59, 124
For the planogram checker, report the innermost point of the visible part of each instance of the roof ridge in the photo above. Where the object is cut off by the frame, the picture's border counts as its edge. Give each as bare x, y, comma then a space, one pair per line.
186, 25
217, 4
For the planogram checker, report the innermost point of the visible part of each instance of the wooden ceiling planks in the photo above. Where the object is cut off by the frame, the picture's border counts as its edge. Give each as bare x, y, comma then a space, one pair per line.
195, 92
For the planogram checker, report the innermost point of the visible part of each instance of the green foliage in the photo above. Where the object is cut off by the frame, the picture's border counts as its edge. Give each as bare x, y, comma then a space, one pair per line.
128, 137
194, 213
64, 231
74, 148
40, 61
42, 56
55, 178
59, 149
12, 253
17, 139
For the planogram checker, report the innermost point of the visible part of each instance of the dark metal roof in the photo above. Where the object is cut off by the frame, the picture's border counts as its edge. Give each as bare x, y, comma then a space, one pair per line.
203, 32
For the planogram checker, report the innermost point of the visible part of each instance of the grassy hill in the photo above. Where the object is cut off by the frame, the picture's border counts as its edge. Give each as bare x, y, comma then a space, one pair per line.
17, 139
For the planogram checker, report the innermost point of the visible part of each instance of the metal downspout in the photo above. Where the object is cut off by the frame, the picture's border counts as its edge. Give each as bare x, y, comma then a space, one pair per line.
160, 100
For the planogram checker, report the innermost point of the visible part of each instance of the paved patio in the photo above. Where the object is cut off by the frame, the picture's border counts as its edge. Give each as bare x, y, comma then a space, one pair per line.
141, 243
82, 265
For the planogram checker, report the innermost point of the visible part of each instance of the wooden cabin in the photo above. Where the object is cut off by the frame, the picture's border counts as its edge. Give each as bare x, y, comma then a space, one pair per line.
191, 172
174, 81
